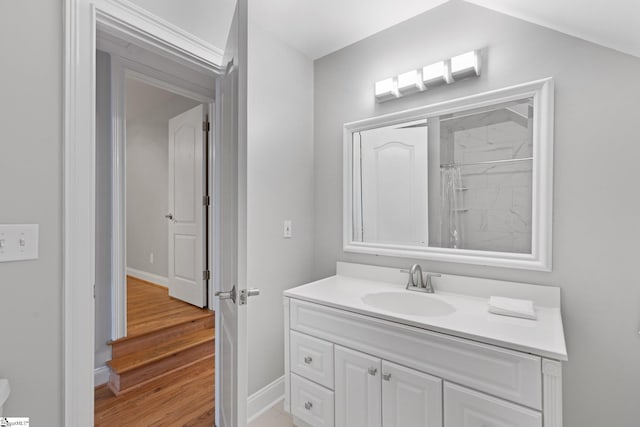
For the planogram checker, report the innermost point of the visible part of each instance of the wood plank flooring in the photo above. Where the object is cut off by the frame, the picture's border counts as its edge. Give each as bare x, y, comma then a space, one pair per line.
181, 398
150, 308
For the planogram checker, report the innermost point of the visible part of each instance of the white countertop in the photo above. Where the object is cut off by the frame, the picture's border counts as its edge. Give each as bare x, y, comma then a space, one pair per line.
471, 319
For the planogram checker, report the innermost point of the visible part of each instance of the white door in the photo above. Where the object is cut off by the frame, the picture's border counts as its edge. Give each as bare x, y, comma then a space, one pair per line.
186, 211
394, 185
230, 227
468, 408
358, 394
410, 398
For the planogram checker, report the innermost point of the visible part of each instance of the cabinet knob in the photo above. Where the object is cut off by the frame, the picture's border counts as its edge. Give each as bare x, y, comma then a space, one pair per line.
373, 371
308, 360
386, 377
308, 406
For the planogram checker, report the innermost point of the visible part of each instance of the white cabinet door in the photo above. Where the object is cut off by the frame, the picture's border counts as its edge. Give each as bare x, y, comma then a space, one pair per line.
469, 408
410, 398
358, 389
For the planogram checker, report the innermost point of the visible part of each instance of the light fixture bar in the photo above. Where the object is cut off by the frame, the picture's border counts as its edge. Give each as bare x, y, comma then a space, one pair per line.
442, 72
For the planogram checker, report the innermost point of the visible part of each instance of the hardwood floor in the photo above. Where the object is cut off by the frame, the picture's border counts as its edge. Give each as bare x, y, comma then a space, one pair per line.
150, 308
183, 397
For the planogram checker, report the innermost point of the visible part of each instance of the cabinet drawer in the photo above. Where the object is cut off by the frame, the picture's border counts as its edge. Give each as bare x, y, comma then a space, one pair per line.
469, 408
312, 358
508, 374
311, 403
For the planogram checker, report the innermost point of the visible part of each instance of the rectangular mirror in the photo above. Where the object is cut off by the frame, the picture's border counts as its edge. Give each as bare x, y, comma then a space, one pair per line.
467, 180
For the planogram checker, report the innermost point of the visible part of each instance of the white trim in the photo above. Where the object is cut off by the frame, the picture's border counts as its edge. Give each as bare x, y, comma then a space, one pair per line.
552, 393
264, 399
82, 17
148, 277
101, 375
542, 92
132, 23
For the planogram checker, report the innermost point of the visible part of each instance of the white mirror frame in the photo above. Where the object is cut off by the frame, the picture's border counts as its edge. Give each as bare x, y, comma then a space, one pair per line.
542, 92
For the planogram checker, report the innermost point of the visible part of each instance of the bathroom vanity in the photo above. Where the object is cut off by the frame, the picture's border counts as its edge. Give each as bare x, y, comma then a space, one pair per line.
361, 350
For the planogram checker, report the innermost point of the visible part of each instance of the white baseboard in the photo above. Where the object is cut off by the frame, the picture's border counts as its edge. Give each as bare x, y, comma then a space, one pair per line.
149, 277
264, 399
100, 376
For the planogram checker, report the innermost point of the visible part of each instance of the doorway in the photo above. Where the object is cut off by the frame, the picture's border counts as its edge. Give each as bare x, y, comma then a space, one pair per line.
161, 341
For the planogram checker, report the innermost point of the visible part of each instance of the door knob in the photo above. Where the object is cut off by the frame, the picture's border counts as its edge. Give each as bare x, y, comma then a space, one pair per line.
169, 216
373, 371
386, 377
228, 294
308, 360
308, 406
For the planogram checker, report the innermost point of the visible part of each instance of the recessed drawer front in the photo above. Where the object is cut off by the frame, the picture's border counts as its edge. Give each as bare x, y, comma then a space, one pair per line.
508, 374
311, 403
312, 358
469, 408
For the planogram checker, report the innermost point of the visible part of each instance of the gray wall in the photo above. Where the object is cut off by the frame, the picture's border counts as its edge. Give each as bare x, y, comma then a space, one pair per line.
596, 208
31, 192
103, 209
148, 112
280, 186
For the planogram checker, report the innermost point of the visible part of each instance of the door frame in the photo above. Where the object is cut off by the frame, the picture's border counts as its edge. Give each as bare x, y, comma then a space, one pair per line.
123, 68
83, 18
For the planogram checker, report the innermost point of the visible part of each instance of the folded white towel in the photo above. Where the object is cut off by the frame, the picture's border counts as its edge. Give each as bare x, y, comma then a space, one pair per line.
512, 307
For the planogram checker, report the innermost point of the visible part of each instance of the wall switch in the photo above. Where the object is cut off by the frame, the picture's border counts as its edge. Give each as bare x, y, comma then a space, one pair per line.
288, 232
18, 242
151, 257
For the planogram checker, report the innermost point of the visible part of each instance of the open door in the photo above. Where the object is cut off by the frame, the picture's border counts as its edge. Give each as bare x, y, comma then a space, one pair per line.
230, 207
186, 215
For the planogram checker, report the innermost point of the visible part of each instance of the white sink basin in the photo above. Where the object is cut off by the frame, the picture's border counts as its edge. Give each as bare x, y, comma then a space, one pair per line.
409, 303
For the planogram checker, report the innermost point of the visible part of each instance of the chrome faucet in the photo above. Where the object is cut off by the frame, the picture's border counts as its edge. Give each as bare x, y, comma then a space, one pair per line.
415, 268
416, 281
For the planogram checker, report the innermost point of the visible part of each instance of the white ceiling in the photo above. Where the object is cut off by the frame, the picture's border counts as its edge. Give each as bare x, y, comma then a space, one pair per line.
318, 28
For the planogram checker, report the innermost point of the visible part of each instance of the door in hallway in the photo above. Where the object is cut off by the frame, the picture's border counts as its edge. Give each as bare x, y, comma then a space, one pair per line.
186, 217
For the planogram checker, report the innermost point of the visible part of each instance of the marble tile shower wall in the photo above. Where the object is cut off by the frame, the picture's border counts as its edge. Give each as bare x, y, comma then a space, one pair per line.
496, 198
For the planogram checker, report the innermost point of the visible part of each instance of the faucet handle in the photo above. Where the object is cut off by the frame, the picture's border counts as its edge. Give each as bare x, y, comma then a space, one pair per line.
428, 284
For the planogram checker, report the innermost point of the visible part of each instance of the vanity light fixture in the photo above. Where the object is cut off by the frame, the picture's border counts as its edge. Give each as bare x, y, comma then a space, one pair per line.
410, 82
465, 65
446, 71
436, 74
387, 89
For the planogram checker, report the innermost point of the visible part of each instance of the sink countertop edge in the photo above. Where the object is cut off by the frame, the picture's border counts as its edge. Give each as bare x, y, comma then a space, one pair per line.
555, 352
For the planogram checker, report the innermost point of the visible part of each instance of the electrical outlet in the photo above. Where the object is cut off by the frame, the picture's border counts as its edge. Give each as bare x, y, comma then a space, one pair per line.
151, 257
287, 231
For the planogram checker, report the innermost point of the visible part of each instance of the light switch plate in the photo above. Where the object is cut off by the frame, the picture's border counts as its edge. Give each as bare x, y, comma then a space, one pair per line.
18, 242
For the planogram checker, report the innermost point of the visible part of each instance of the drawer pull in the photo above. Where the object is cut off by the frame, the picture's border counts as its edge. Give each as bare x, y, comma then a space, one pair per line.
373, 371
308, 406
386, 377
308, 360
